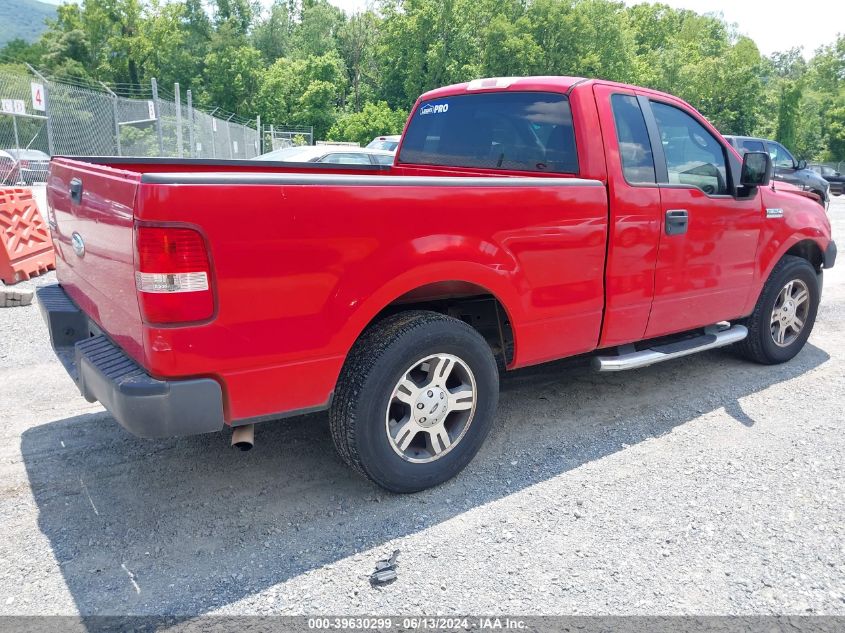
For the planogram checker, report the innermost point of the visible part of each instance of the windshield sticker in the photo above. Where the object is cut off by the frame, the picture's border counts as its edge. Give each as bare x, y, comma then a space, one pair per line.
440, 108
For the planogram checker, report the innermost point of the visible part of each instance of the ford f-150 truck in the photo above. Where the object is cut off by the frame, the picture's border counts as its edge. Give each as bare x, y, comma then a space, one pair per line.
523, 220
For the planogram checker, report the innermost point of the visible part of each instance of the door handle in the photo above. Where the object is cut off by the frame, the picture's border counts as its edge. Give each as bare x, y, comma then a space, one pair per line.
677, 221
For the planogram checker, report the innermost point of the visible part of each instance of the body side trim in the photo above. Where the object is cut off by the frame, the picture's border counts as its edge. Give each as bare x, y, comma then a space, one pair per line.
220, 162
215, 178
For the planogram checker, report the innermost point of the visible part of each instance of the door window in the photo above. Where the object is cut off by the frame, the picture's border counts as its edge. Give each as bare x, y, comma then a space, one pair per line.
634, 146
780, 156
693, 156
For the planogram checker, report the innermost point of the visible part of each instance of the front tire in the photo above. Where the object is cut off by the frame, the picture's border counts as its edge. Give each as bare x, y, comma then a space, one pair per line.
785, 313
415, 400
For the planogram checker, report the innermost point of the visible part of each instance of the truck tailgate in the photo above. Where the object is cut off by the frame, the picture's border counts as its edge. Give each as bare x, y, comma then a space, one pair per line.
92, 222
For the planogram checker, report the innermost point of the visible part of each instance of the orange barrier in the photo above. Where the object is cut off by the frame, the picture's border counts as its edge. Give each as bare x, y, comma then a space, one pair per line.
26, 249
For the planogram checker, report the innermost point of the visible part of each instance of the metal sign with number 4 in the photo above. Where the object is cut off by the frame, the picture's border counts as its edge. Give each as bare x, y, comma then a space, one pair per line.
38, 97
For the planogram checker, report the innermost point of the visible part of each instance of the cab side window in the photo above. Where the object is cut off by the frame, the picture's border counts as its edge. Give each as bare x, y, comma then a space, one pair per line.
751, 145
693, 156
632, 135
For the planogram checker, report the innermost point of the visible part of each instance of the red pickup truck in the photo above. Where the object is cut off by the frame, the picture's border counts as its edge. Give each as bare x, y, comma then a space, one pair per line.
524, 220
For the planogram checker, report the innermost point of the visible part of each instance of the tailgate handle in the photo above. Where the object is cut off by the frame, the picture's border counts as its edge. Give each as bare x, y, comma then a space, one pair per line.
76, 191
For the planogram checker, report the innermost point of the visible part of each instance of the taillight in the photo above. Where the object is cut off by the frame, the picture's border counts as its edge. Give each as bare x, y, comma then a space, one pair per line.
173, 275
25, 164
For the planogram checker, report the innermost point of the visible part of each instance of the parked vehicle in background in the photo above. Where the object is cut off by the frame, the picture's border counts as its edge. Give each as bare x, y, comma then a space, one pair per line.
835, 178
23, 166
523, 221
389, 143
333, 154
786, 168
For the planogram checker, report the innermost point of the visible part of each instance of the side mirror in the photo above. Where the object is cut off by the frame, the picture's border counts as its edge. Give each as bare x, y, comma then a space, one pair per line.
756, 169
802, 164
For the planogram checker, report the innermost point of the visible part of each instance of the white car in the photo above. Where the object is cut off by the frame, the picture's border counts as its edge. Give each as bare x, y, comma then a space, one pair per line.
336, 154
388, 143
23, 166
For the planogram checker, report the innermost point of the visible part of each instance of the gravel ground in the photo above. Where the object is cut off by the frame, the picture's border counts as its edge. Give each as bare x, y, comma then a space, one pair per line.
703, 486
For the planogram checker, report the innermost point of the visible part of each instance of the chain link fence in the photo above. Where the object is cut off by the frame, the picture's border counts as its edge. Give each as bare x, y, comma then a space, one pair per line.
277, 137
41, 115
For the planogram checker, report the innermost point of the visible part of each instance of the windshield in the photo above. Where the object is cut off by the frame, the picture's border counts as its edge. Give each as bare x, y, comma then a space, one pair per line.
389, 146
527, 131
383, 159
301, 154
28, 154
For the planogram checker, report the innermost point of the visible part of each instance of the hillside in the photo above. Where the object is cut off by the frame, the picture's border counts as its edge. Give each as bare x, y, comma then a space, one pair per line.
23, 19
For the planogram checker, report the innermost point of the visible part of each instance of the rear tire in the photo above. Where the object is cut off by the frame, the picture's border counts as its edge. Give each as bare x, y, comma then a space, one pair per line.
783, 317
415, 400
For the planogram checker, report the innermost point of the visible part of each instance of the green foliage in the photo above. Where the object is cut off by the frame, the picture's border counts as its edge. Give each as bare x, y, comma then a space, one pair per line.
272, 36
305, 62
23, 51
231, 79
374, 120
304, 91
316, 32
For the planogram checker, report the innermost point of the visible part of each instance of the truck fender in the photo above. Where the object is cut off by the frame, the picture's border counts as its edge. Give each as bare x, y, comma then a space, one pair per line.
499, 284
809, 244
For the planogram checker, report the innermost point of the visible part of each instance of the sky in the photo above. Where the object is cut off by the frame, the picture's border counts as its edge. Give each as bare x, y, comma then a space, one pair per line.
775, 25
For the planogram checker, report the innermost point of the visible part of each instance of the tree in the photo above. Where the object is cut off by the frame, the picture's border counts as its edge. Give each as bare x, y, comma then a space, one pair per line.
272, 35
316, 33
306, 62
66, 43
356, 39
232, 79
23, 52
823, 129
304, 91
374, 120
172, 49
237, 15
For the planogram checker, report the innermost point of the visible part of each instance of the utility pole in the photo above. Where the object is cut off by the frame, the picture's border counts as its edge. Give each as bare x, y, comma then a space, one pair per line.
191, 125
178, 99
157, 111
116, 117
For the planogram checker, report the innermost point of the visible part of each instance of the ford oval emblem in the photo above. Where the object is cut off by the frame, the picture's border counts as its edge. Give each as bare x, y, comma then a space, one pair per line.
78, 244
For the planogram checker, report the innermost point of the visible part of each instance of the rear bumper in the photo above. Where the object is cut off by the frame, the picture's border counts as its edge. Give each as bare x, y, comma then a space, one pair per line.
143, 405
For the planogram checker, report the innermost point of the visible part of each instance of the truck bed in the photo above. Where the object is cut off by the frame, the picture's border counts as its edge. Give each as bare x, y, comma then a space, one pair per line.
304, 256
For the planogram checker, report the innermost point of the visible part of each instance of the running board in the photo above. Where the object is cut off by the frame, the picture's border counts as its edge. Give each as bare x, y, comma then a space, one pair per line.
660, 353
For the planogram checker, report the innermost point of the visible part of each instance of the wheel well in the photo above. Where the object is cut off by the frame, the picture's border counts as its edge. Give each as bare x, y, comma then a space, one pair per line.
809, 250
471, 303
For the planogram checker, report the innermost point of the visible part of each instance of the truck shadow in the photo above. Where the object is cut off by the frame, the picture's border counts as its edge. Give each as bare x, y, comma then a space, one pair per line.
182, 527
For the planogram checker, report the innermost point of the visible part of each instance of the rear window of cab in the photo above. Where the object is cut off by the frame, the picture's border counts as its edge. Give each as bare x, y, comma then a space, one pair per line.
521, 131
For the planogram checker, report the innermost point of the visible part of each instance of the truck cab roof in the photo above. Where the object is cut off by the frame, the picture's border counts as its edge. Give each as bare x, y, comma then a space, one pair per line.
550, 83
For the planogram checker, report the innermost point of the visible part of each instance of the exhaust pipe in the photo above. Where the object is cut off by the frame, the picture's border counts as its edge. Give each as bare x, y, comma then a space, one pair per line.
243, 437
